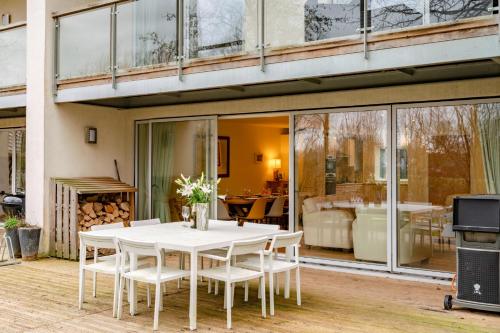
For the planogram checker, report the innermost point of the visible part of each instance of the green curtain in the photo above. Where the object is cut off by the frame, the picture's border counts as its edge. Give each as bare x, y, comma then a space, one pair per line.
489, 128
142, 171
162, 147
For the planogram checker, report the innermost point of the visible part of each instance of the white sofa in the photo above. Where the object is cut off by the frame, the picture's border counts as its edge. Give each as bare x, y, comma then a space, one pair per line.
326, 228
370, 238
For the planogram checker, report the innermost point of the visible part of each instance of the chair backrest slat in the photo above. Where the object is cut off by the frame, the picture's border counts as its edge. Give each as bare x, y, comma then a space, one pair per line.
138, 248
107, 226
225, 222
143, 223
287, 240
97, 241
247, 247
261, 226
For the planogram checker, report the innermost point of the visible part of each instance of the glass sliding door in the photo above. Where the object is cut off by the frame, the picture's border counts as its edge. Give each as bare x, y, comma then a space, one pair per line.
341, 177
12, 161
442, 151
165, 150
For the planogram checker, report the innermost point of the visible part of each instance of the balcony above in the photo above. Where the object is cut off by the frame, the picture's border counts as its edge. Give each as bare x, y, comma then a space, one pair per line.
170, 49
13, 66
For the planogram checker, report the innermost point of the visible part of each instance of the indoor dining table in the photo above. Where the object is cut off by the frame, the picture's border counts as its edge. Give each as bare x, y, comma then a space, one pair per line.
178, 237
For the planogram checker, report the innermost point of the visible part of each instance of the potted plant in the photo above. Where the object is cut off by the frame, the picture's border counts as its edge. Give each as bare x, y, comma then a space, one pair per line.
11, 225
198, 194
29, 239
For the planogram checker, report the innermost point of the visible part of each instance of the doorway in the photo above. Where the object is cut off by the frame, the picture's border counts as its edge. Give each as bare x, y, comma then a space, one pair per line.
253, 165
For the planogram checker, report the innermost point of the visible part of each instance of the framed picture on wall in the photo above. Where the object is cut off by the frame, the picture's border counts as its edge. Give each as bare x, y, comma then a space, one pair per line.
223, 156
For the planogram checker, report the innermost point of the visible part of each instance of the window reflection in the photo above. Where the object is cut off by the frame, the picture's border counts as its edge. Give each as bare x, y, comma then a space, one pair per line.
342, 191
451, 150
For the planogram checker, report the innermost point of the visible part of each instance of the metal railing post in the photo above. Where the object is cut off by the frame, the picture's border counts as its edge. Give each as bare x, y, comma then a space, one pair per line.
114, 66
56, 57
262, 34
180, 38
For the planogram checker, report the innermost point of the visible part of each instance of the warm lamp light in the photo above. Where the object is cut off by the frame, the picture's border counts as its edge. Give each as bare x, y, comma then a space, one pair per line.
276, 164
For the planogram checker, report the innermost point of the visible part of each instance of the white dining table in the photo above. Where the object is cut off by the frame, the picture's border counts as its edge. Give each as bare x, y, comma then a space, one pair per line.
176, 236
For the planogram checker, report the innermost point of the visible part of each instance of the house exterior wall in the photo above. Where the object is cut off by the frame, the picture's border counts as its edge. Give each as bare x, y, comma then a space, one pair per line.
55, 131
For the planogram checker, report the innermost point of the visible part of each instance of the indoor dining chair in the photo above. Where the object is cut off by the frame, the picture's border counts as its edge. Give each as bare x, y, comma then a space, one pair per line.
274, 266
222, 211
257, 212
231, 274
277, 210
150, 275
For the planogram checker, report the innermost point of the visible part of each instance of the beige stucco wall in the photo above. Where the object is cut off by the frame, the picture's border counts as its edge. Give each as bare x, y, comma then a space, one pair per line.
16, 8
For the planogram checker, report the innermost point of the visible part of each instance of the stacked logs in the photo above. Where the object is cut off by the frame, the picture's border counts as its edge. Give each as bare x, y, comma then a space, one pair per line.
102, 209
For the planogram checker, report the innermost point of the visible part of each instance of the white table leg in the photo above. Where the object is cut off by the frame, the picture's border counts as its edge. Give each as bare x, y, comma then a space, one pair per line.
133, 284
193, 291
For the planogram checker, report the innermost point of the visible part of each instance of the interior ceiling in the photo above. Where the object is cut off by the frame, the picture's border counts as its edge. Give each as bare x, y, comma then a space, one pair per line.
11, 113
467, 70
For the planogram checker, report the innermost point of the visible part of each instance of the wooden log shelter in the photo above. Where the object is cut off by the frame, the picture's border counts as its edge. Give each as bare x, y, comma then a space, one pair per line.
79, 203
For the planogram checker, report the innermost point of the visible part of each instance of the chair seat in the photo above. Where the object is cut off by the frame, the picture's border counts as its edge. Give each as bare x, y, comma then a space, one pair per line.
214, 253
105, 266
237, 274
253, 262
148, 274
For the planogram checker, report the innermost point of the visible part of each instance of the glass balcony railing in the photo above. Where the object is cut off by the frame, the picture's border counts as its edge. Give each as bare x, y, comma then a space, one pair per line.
84, 44
220, 27
127, 35
13, 57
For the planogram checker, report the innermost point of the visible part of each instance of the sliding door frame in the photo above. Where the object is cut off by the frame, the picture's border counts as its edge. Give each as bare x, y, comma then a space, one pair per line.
347, 263
13, 151
394, 188
212, 142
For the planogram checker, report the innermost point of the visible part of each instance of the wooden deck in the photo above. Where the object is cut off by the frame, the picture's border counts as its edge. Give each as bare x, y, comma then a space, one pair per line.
42, 297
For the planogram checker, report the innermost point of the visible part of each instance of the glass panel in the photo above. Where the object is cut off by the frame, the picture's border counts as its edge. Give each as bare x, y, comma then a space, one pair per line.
445, 151
394, 14
220, 27
13, 59
84, 44
442, 11
142, 181
341, 188
146, 33
180, 147
12, 143
291, 22
20, 147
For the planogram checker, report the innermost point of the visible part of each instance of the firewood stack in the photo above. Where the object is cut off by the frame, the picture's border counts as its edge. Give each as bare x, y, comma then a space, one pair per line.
102, 209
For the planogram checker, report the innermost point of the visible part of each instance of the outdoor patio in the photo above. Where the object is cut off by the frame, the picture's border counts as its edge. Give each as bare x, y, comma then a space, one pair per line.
42, 297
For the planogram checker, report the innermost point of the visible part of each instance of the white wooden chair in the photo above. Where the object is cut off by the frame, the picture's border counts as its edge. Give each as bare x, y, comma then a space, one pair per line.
143, 223
273, 266
108, 267
262, 226
215, 252
96, 251
232, 274
151, 275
